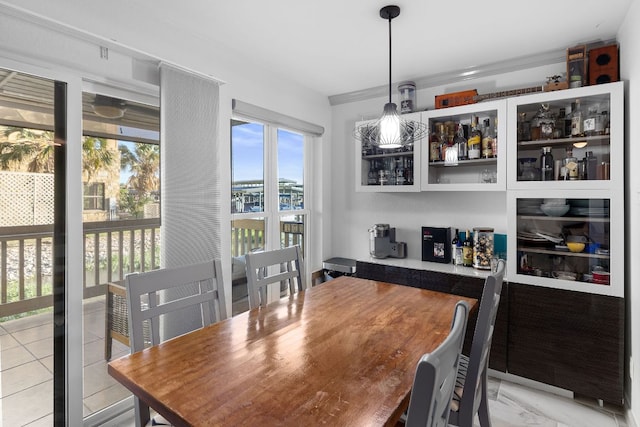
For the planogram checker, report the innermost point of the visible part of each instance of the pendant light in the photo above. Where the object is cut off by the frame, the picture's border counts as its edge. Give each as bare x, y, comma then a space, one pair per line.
390, 131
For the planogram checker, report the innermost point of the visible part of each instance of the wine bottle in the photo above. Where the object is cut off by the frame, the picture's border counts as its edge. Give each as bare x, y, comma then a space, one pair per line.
454, 245
461, 143
467, 250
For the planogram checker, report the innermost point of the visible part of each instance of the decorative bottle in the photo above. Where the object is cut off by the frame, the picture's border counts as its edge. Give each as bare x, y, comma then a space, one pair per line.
546, 164
475, 140
487, 140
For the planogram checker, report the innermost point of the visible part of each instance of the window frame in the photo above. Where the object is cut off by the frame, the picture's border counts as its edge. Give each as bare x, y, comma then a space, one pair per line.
272, 215
96, 199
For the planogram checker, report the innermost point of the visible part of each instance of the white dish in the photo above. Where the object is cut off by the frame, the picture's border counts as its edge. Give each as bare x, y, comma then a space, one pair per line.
554, 210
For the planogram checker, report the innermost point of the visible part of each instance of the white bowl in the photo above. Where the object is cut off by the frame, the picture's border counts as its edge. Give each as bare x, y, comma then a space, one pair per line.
555, 202
554, 210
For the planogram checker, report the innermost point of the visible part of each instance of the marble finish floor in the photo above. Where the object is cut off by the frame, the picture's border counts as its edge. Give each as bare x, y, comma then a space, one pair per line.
26, 381
516, 405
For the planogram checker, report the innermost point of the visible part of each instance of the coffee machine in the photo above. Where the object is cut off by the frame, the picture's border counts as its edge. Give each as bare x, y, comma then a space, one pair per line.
382, 242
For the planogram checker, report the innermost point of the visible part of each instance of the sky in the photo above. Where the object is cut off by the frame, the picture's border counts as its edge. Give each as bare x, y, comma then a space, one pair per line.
247, 153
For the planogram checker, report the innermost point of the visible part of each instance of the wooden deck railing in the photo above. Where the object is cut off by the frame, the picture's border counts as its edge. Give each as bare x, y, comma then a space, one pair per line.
111, 250
248, 235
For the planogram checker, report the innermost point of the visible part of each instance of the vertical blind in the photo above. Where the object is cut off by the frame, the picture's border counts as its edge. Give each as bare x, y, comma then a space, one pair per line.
190, 202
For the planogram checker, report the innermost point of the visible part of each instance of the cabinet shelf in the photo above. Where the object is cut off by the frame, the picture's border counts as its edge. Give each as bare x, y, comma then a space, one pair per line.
489, 161
539, 250
563, 141
565, 218
387, 155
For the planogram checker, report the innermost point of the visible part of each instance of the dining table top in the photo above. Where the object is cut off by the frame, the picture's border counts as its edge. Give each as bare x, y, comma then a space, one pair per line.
340, 353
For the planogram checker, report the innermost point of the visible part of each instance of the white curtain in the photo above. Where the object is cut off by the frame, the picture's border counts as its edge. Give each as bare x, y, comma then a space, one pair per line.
190, 184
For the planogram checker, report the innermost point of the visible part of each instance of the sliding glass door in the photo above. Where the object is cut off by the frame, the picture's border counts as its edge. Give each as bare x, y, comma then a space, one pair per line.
40, 306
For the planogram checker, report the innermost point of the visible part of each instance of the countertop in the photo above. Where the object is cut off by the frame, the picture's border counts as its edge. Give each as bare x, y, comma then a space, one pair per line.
429, 266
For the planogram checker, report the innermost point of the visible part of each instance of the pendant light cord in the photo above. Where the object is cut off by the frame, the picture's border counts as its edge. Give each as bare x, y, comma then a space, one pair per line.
389, 60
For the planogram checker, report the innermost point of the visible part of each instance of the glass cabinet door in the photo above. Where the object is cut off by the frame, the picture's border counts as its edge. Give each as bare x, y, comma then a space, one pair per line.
567, 139
569, 242
387, 170
466, 149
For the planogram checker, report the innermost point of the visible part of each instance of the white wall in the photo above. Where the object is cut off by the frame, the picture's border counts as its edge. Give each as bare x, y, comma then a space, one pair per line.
629, 39
44, 33
353, 213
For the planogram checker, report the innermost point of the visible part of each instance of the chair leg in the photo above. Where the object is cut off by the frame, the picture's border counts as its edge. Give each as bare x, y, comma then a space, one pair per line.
108, 340
483, 409
142, 413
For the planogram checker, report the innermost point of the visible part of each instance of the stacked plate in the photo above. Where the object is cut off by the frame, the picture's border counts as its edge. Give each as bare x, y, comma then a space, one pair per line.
552, 209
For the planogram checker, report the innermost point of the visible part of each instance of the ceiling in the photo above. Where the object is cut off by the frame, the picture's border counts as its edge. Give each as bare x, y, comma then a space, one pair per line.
26, 100
341, 46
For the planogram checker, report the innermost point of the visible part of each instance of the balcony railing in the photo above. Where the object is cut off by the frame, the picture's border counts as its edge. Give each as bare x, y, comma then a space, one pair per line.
111, 250
248, 235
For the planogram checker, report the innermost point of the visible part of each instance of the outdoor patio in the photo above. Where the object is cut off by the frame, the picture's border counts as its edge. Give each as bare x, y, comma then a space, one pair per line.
26, 362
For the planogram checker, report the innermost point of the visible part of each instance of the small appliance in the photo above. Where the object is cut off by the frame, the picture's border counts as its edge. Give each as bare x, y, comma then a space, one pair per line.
382, 242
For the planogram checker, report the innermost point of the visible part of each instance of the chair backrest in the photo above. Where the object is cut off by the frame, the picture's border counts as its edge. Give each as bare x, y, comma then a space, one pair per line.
153, 294
435, 376
198, 285
290, 265
481, 344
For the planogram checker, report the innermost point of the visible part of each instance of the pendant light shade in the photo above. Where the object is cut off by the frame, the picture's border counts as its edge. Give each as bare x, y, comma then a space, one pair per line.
390, 130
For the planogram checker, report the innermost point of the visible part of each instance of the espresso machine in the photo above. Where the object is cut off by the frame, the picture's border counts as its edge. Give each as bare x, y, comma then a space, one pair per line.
382, 242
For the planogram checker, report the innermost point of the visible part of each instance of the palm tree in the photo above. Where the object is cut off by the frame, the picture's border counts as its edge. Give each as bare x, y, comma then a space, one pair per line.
21, 144
144, 163
35, 147
96, 155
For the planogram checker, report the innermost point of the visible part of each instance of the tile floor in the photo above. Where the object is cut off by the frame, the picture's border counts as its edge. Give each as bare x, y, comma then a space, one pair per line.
26, 385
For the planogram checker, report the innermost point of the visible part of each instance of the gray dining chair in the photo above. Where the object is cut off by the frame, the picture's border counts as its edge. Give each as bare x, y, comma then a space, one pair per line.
284, 266
154, 294
470, 394
435, 376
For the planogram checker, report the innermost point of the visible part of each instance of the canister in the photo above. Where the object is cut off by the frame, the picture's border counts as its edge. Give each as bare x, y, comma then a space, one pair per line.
482, 247
407, 97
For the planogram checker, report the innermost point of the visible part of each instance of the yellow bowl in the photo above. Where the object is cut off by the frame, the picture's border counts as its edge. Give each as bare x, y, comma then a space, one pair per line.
575, 246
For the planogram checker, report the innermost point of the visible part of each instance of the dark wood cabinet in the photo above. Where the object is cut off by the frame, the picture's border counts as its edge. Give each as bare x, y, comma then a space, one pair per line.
572, 340
451, 284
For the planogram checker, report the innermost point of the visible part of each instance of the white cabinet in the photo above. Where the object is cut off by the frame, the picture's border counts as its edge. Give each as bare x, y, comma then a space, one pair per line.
603, 103
488, 173
389, 170
581, 201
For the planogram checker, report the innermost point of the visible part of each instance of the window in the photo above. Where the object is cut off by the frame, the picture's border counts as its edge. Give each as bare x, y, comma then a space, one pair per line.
268, 204
93, 198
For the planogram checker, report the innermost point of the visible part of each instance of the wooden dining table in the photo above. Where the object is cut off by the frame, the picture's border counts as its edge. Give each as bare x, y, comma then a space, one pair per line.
341, 353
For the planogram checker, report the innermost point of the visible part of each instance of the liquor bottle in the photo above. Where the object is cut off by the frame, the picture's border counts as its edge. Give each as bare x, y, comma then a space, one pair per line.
487, 140
576, 119
494, 140
461, 143
592, 165
546, 164
475, 140
458, 254
467, 250
570, 165
589, 121
454, 245
434, 143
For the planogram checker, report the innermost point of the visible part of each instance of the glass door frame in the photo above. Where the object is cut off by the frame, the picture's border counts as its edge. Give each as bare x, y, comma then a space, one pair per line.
69, 409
